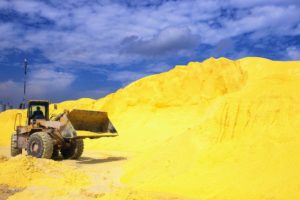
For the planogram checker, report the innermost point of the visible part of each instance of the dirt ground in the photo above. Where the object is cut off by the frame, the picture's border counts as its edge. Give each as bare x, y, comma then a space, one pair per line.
104, 170
6, 191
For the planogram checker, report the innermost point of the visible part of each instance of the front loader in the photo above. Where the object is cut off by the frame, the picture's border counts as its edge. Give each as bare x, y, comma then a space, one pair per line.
45, 137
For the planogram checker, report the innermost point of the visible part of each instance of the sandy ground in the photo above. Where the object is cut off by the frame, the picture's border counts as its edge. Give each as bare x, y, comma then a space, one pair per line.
104, 169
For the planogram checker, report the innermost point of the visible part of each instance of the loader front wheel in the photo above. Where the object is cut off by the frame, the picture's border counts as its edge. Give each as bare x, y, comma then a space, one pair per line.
14, 150
55, 154
40, 145
74, 151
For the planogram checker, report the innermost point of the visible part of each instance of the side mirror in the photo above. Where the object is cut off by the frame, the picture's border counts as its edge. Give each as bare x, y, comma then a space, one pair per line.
55, 106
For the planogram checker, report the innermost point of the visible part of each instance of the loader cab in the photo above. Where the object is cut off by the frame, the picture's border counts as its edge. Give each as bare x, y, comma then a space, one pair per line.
38, 110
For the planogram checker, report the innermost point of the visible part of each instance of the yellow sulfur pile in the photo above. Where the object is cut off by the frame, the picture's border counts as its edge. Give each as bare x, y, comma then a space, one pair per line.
23, 171
215, 130
40, 178
221, 129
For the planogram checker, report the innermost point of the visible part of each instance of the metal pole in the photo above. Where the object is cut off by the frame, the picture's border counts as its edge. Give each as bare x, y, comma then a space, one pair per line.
25, 79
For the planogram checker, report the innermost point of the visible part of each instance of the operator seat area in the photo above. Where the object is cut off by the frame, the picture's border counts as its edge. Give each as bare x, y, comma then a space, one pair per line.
38, 114
38, 110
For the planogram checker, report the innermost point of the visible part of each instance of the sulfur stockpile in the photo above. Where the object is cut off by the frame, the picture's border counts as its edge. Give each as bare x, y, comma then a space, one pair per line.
220, 129
42, 179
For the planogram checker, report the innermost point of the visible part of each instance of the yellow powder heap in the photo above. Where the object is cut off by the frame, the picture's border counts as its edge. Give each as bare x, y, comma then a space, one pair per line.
40, 178
24, 171
219, 129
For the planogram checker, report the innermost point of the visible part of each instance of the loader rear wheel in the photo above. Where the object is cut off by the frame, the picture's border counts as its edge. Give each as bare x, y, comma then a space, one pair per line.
40, 145
14, 150
74, 151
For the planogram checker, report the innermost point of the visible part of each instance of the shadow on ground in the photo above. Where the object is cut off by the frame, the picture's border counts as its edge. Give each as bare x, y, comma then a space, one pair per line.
89, 160
6, 191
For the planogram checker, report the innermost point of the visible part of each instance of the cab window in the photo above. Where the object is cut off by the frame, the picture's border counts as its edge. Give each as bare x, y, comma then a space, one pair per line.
37, 112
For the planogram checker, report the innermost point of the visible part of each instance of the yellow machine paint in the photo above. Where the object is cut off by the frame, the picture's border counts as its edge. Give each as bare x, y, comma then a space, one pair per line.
45, 137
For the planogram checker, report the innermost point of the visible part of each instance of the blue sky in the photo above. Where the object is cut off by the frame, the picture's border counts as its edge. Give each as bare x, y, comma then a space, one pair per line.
91, 48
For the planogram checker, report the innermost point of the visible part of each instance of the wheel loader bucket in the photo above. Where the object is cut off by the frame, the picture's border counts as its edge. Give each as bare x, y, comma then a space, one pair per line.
93, 121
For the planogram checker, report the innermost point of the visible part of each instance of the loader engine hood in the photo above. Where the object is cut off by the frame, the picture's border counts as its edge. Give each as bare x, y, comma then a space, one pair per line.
93, 121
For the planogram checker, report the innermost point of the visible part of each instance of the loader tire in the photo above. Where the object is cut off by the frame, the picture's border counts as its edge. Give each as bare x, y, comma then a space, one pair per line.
55, 154
40, 145
74, 151
14, 150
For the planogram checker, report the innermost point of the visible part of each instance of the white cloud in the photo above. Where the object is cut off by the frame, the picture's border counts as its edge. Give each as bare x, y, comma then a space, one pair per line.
158, 67
93, 32
9, 36
261, 21
253, 3
7, 85
47, 81
33, 9
168, 41
11, 92
293, 53
42, 84
126, 77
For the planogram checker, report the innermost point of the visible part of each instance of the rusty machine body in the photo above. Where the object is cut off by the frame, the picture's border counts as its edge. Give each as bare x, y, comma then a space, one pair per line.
47, 137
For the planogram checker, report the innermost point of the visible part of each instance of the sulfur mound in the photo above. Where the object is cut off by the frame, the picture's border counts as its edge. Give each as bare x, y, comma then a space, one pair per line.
219, 129
40, 177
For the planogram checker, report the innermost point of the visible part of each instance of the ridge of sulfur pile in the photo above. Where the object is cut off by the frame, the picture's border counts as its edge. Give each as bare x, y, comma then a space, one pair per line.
219, 129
